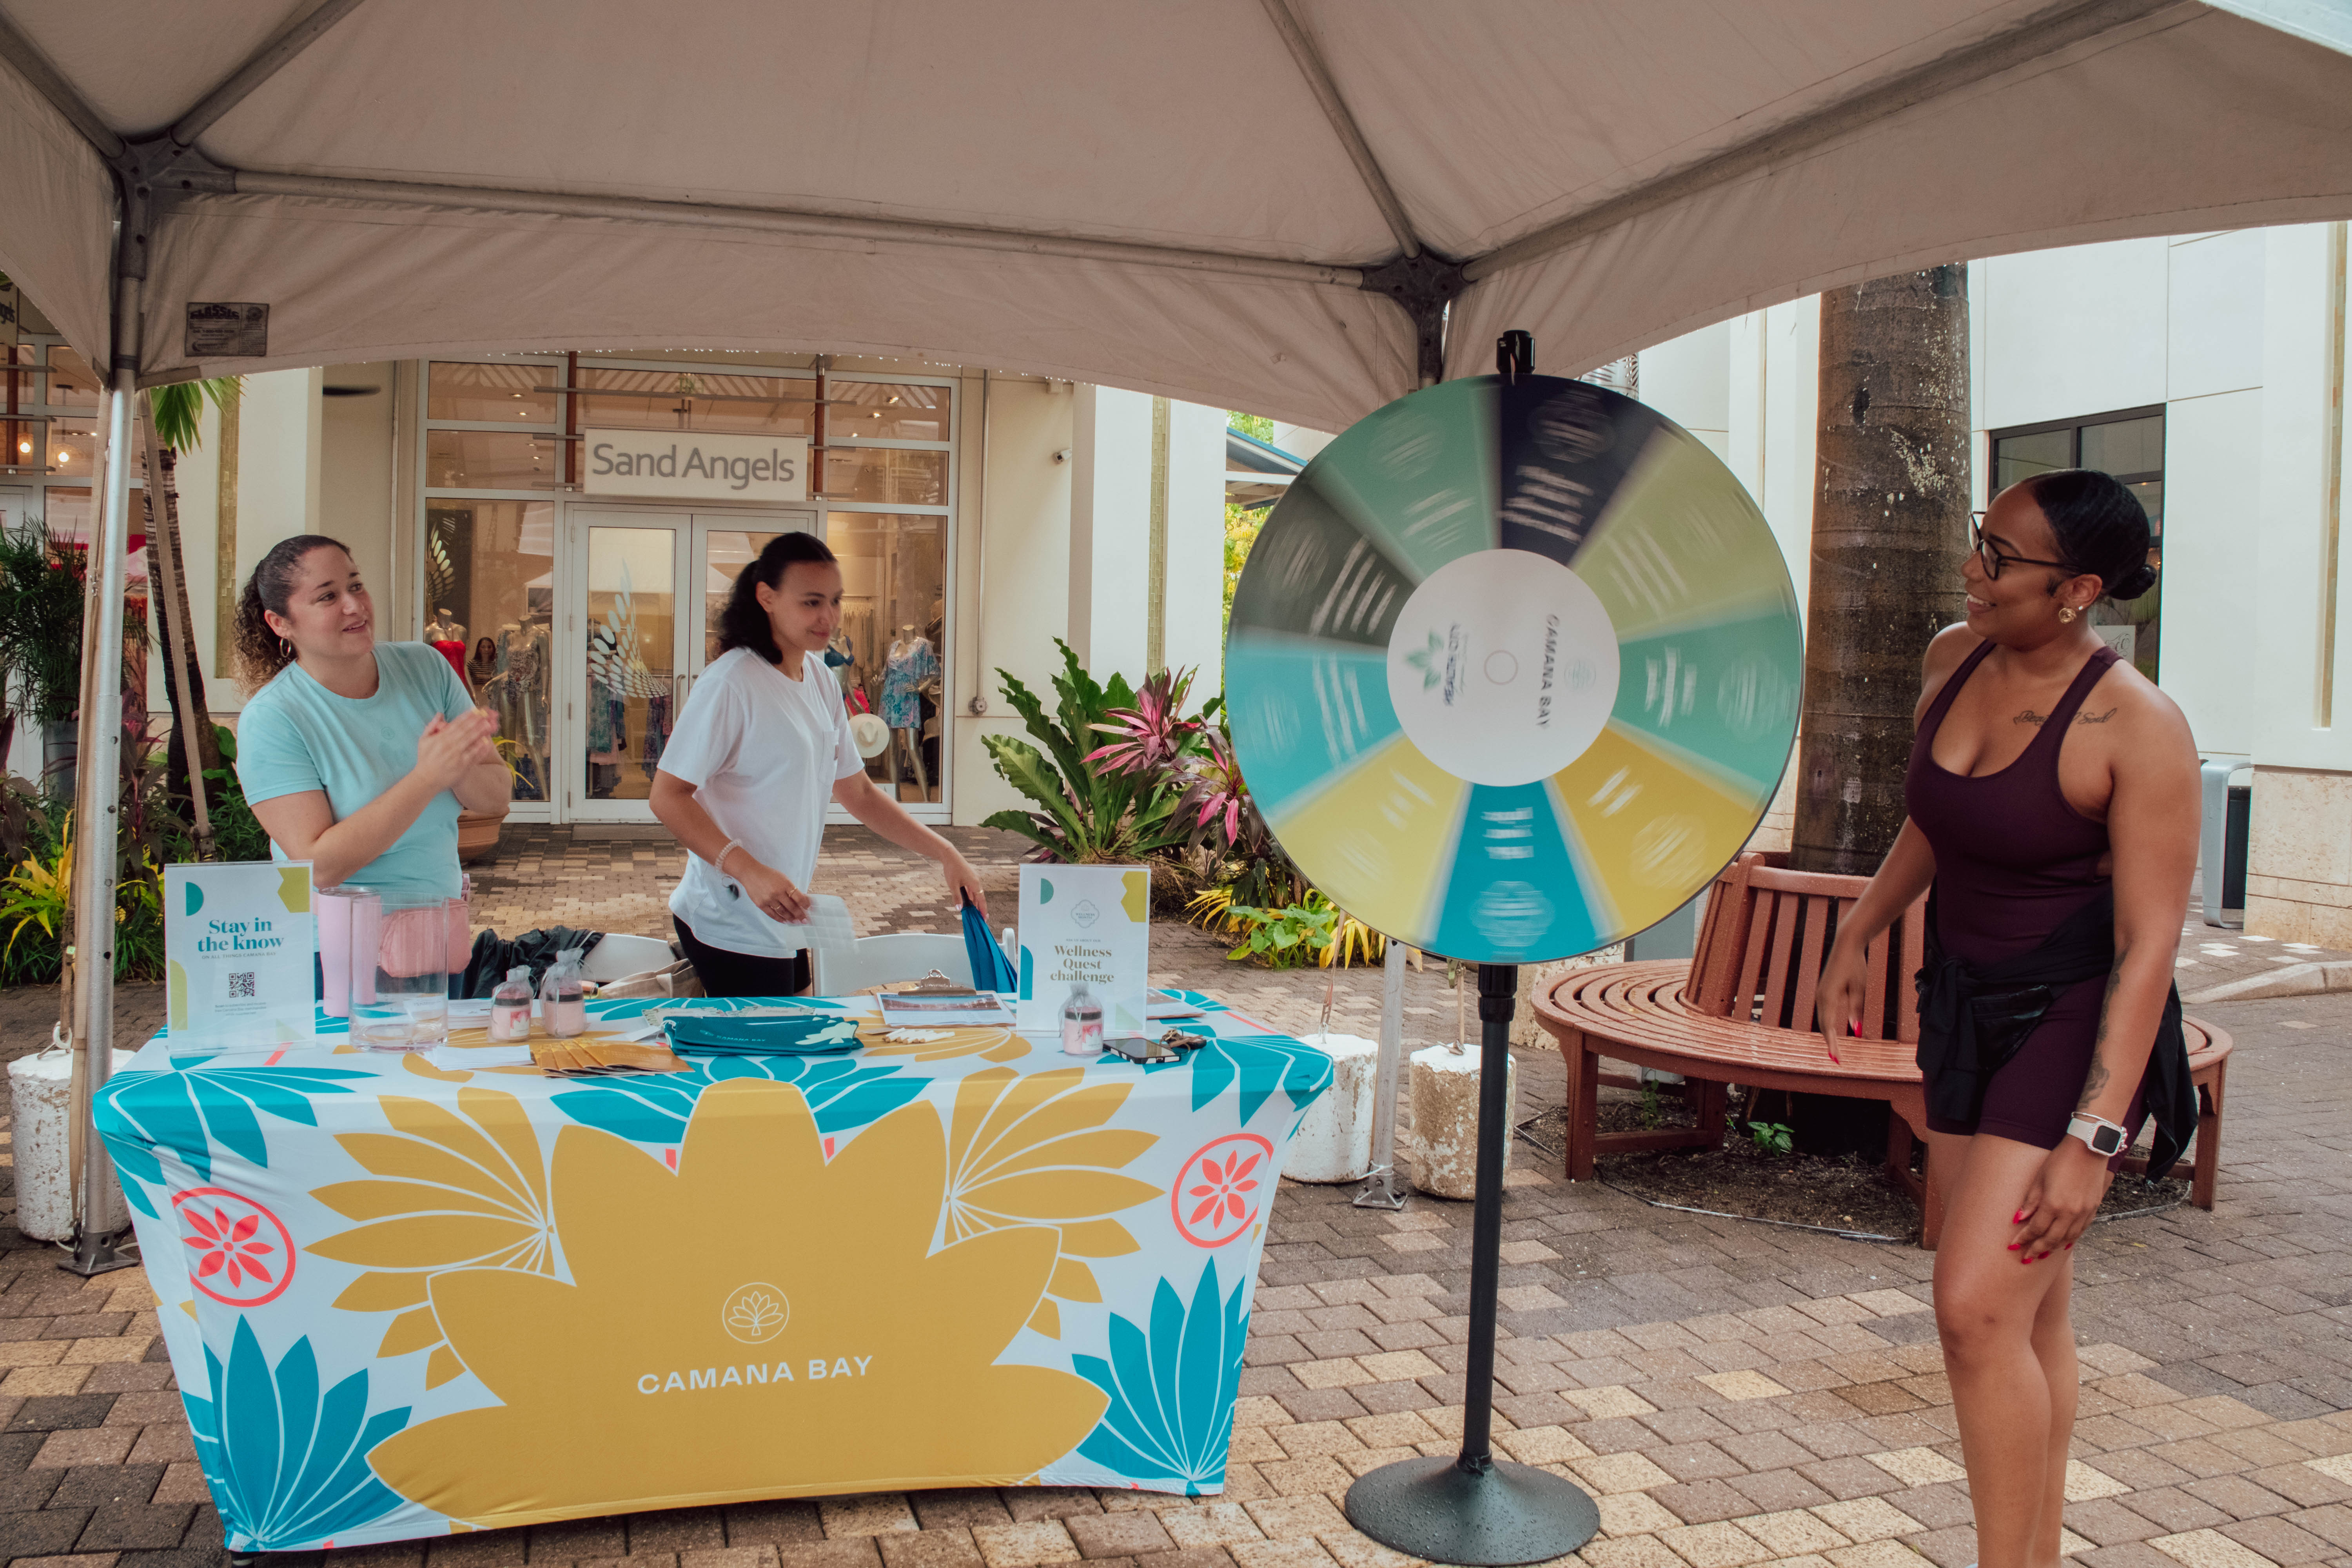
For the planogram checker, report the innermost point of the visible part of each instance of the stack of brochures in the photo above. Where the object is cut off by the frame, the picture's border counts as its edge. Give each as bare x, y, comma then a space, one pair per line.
944, 1010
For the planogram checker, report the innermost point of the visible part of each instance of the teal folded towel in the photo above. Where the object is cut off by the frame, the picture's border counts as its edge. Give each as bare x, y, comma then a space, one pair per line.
721, 1034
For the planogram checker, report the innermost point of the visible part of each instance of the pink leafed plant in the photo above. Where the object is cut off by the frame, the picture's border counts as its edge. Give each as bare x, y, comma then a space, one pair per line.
1153, 735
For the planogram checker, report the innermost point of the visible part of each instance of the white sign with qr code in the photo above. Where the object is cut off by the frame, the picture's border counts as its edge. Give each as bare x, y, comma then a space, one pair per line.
239, 946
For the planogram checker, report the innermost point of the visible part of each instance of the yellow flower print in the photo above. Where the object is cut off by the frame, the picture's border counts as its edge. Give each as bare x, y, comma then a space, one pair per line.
464, 1191
1035, 1151
995, 1045
759, 1313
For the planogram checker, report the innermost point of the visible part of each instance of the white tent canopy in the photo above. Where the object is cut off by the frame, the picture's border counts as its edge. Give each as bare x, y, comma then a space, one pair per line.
1304, 208
1183, 198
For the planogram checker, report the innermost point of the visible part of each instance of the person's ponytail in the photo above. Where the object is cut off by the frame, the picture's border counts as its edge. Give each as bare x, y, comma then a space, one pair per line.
260, 652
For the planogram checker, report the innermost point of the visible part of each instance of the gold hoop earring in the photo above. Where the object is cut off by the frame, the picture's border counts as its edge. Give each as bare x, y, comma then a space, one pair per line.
2066, 613
288, 649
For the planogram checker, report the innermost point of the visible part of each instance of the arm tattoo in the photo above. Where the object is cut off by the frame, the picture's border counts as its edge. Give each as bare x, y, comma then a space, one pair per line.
2096, 1078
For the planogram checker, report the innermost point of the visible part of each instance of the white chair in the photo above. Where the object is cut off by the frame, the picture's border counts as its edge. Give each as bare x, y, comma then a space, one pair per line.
842, 962
618, 956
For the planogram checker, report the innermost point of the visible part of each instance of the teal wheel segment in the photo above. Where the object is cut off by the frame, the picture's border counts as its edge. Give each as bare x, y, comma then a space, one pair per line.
1563, 448
1315, 573
1725, 695
1304, 711
1419, 475
1517, 891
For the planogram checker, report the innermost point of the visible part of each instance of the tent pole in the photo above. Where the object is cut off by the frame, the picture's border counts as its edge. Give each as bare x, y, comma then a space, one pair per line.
1381, 1190
98, 794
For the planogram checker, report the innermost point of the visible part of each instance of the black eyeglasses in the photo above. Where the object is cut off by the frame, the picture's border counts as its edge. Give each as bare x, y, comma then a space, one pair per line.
1993, 559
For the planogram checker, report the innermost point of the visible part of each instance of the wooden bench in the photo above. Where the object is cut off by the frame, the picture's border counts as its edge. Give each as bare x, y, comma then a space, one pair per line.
1741, 1010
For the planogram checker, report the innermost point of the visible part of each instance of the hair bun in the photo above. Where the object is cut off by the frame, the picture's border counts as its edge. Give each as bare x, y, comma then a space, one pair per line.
2134, 583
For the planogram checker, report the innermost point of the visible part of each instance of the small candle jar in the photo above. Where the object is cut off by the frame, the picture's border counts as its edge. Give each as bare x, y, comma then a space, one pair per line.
510, 1006
1082, 1024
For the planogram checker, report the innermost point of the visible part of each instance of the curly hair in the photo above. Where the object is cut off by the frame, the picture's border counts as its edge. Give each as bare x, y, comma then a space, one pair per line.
261, 653
743, 624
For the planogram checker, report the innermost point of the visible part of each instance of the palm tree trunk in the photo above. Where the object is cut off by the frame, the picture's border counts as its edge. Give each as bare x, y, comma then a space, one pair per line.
1890, 531
190, 717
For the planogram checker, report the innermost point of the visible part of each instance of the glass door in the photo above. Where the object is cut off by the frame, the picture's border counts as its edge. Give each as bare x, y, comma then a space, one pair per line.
623, 659
724, 544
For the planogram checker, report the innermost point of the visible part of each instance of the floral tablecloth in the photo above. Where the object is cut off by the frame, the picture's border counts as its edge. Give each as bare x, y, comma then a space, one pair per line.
405, 1298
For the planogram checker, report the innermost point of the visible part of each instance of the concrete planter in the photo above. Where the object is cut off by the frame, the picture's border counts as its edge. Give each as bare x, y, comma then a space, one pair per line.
1442, 1148
1335, 1138
40, 1092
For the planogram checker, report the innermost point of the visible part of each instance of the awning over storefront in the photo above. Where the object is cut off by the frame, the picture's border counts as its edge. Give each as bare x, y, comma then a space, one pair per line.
1223, 200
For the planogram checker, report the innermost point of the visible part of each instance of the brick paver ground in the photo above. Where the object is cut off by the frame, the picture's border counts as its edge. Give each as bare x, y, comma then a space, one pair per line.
1733, 1394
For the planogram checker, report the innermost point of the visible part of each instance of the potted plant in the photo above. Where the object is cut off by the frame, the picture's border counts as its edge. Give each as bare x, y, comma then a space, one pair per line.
40, 644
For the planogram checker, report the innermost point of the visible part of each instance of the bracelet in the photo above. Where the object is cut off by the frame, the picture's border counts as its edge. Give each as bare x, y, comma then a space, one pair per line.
719, 865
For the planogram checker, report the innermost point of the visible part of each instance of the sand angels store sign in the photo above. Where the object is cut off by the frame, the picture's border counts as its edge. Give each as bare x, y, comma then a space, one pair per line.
651, 465
580, 535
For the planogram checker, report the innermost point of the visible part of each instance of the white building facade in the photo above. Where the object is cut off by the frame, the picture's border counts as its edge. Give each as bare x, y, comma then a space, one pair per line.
2208, 372
978, 517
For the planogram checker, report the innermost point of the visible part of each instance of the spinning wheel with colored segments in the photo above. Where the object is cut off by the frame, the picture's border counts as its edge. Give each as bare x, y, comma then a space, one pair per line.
1514, 669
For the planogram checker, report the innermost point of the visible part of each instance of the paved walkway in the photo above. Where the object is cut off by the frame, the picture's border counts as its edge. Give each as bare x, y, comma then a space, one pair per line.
1733, 1393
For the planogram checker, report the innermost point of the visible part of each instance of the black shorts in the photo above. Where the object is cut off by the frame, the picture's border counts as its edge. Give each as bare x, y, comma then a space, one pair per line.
728, 974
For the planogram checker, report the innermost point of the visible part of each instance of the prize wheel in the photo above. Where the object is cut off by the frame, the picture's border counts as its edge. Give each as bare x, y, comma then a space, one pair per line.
1514, 669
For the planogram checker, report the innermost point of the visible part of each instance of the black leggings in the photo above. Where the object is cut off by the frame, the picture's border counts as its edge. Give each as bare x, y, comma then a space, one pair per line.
728, 974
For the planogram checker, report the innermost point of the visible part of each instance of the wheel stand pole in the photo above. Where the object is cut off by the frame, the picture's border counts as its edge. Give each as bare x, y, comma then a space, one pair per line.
1474, 1509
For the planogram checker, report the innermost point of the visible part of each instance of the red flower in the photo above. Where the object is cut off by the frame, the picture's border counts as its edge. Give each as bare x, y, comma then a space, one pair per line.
1221, 1189
228, 1244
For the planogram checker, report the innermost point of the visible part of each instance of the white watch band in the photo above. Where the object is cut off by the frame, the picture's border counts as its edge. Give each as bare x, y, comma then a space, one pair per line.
2097, 1133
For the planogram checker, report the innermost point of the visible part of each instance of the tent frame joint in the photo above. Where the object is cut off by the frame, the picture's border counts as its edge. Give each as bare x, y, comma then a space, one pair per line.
1423, 286
152, 173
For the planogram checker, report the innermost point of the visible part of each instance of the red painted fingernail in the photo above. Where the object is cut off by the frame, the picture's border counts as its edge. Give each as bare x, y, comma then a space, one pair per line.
2017, 1218
2045, 1255
2012, 1246
2070, 1246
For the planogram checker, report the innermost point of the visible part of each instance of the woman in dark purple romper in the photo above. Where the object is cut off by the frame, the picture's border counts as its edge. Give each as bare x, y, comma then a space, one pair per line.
2053, 800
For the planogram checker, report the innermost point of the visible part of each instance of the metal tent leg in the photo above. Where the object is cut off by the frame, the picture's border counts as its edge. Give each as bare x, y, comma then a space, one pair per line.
97, 803
1381, 1190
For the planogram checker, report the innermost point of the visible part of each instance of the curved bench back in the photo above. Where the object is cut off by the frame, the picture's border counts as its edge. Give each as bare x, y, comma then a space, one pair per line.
1766, 931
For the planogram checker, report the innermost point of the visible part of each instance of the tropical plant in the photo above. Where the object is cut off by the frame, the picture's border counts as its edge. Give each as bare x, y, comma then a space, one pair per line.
40, 622
174, 419
1087, 816
1154, 737
238, 834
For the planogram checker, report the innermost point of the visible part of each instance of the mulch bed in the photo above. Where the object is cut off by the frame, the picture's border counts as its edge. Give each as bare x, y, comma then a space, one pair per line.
1847, 1195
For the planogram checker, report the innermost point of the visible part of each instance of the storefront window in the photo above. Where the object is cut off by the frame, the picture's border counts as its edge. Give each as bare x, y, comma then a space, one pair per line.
490, 595
72, 383
489, 460
632, 678
886, 411
698, 400
886, 475
492, 394
893, 632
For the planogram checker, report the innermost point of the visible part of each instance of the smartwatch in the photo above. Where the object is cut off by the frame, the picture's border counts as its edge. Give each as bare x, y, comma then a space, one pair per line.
2101, 1137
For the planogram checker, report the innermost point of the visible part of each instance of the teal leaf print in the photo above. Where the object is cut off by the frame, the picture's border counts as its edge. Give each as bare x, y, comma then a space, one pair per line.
1259, 1063
842, 1095
287, 1465
1170, 1418
188, 1107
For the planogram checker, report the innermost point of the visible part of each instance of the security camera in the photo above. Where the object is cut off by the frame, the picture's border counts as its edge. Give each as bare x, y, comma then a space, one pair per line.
1062, 455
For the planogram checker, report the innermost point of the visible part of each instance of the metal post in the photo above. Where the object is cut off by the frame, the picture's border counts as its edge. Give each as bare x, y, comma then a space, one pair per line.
1473, 1509
96, 806
1381, 1190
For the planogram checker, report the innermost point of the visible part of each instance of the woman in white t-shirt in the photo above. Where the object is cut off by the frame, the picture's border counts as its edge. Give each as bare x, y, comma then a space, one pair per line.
762, 745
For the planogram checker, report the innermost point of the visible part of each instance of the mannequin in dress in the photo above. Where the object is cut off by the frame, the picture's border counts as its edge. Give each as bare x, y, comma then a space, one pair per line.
911, 663
447, 633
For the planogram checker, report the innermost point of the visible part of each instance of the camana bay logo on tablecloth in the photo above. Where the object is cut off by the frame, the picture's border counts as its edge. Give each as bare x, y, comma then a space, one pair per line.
755, 1313
906, 1388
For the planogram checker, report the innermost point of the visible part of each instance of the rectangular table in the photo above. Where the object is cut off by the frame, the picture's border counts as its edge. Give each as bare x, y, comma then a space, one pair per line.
403, 1300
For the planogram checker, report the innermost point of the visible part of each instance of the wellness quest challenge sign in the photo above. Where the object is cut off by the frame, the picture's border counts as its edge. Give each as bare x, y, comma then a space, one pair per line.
695, 465
1085, 926
238, 943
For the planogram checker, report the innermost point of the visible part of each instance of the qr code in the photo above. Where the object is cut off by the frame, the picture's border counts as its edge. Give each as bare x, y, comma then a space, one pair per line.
241, 985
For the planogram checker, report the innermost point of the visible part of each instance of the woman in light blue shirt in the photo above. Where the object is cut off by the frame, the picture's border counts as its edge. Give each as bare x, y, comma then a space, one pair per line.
355, 755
